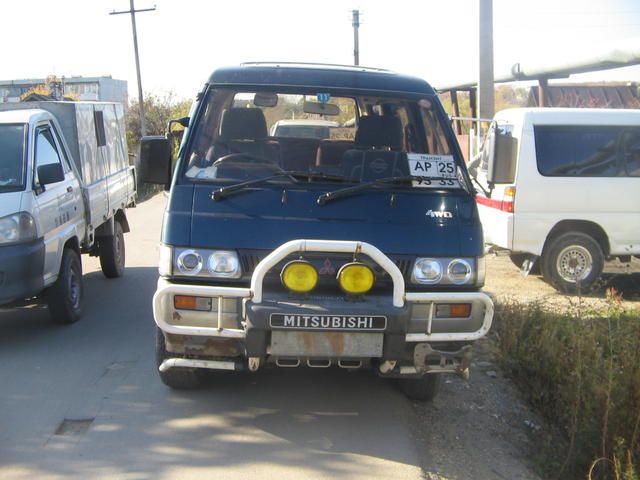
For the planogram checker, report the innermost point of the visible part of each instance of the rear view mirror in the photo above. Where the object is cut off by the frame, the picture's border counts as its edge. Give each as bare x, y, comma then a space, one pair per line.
321, 108
51, 173
500, 153
265, 99
154, 161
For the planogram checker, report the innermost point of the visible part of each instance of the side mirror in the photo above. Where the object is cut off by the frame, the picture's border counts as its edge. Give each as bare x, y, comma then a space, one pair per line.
51, 173
154, 160
501, 152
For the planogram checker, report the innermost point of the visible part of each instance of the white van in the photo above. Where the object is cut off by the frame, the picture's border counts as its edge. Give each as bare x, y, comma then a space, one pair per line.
561, 190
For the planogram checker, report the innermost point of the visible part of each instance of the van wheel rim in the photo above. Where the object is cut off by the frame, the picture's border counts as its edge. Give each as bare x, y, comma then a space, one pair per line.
574, 263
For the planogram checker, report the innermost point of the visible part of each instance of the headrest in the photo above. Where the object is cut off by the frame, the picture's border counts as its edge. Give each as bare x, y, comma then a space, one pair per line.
379, 131
243, 123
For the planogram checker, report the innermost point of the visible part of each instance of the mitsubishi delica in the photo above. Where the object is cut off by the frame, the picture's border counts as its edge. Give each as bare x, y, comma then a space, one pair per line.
358, 250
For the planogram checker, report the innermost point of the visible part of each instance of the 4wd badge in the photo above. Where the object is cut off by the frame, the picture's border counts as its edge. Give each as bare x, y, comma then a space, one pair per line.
439, 214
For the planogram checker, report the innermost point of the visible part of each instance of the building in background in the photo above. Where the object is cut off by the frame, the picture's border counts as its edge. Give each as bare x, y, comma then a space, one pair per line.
104, 89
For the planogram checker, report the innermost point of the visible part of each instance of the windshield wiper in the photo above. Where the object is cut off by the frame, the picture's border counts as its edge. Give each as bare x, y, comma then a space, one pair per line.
343, 192
223, 192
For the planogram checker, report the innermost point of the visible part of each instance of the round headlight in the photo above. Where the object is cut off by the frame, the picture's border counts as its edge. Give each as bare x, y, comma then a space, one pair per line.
459, 271
427, 270
356, 278
299, 276
189, 262
223, 263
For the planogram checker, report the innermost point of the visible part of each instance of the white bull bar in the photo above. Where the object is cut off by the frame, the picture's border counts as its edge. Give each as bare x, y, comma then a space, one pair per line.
163, 298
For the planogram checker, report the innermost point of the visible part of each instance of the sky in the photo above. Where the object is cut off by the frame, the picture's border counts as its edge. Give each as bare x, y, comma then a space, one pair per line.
183, 41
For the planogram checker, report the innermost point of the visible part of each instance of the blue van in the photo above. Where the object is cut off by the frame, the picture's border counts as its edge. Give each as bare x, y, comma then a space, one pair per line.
360, 250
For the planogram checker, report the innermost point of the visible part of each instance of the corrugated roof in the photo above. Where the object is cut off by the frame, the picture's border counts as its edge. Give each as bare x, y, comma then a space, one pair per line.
588, 96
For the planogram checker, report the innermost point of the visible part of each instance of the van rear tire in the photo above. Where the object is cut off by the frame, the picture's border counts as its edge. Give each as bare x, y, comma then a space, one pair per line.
112, 252
573, 262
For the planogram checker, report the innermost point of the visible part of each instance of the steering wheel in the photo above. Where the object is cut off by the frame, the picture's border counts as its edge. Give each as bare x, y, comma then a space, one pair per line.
233, 157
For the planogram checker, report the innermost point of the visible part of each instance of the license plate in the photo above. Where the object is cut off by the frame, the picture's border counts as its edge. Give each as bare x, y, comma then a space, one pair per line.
438, 166
360, 323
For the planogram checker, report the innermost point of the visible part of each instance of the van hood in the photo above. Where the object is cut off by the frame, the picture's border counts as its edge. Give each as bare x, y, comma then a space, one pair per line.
10, 203
402, 222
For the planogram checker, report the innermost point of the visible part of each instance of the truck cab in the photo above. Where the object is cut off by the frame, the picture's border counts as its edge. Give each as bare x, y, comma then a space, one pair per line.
361, 250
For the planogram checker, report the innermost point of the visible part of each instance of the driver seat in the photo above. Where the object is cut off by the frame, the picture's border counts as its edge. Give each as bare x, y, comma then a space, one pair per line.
244, 130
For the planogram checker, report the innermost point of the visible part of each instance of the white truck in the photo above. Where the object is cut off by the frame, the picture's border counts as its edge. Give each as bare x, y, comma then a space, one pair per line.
561, 190
65, 182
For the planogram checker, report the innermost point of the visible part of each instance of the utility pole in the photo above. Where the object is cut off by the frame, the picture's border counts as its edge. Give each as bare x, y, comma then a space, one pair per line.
486, 96
356, 47
133, 11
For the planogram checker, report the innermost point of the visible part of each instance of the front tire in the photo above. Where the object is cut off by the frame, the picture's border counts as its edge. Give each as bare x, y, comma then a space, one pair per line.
573, 262
177, 378
112, 252
66, 296
422, 389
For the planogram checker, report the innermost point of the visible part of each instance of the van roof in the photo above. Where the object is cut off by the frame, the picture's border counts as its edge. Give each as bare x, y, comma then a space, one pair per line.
319, 76
549, 112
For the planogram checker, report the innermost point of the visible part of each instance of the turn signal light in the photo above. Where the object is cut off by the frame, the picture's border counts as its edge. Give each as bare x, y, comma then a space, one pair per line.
356, 278
187, 302
453, 310
299, 276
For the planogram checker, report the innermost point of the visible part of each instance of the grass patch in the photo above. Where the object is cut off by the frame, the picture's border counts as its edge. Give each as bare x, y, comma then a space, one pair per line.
581, 369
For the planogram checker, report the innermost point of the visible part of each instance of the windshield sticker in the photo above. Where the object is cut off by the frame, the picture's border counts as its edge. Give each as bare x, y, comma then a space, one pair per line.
323, 97
438, 171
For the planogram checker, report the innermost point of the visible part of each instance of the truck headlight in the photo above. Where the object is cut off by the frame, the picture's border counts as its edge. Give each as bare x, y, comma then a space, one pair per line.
17, 228
195, 262
223, 263
427, 270
459, 271
448, 271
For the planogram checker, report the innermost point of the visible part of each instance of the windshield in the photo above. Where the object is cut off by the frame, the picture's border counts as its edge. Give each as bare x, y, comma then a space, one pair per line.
12, 140
334, 136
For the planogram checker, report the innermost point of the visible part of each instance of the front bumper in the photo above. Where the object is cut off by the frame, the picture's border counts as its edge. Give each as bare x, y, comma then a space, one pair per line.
242, 315
21, 269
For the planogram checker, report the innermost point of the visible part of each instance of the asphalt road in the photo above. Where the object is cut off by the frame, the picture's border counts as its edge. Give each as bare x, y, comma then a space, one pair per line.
84, 401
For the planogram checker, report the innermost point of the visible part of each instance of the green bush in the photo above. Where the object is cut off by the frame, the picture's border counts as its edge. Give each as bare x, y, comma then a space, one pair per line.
581, 369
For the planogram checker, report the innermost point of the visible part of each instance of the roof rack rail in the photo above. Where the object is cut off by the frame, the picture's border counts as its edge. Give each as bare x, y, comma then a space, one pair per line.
316, 65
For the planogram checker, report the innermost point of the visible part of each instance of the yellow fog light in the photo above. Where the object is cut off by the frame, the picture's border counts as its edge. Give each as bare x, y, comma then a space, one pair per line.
356, 278
299, 276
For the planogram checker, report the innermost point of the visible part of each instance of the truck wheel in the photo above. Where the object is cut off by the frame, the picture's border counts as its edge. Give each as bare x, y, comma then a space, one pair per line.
65, 296
176, 378
422, 389
573, 262
111, 251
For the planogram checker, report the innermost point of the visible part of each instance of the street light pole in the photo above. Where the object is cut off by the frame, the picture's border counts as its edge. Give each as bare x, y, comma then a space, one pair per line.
133, 11
356, 44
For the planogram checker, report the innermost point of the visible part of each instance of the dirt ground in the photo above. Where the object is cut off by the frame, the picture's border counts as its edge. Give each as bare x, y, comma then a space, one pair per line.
483, 428
505, 282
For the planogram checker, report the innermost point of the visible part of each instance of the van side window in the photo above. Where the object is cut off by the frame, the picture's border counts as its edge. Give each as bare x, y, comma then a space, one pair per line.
46, 151
587, 151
